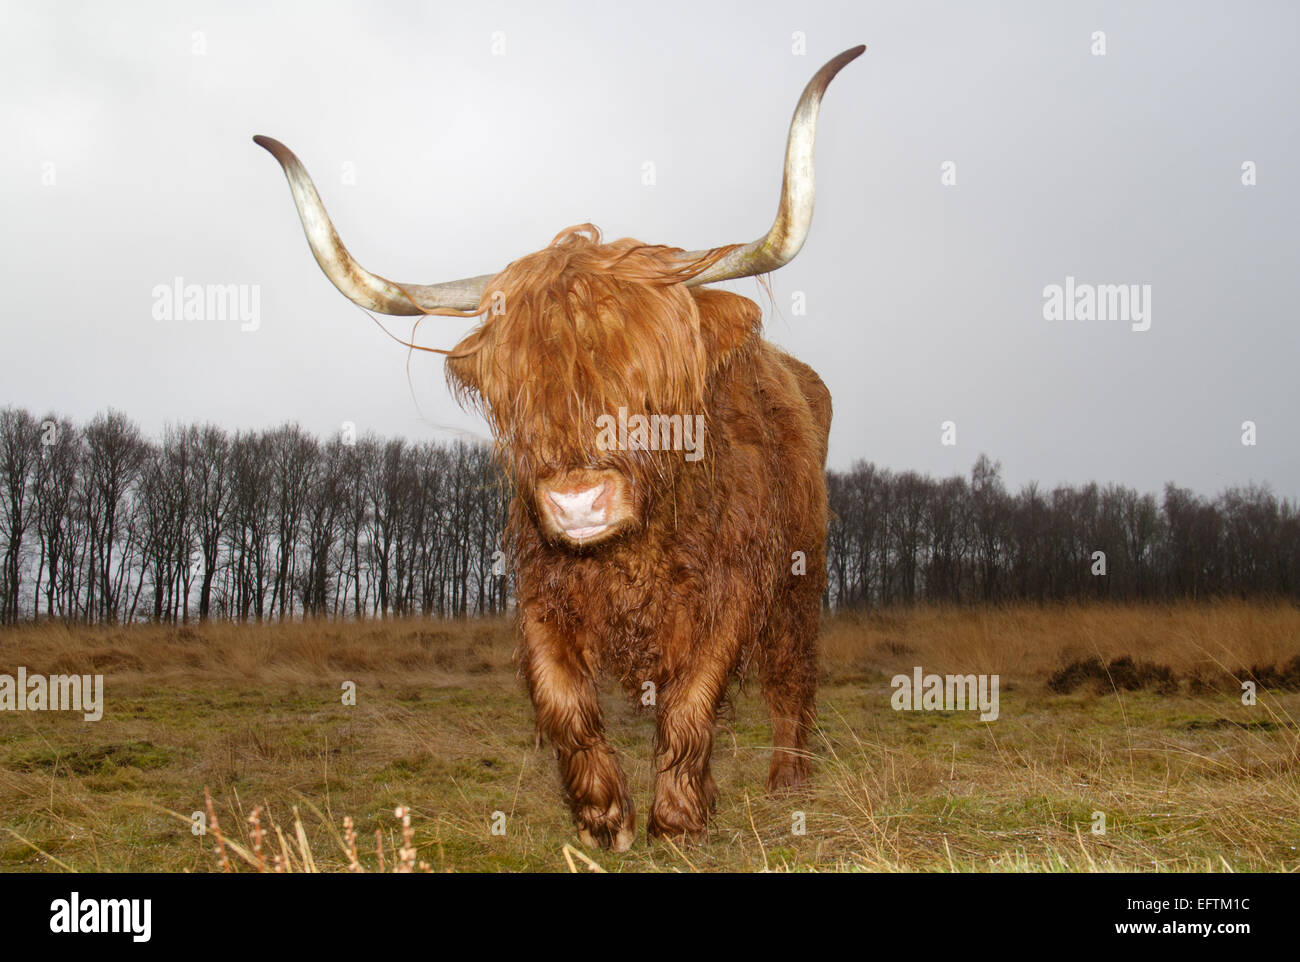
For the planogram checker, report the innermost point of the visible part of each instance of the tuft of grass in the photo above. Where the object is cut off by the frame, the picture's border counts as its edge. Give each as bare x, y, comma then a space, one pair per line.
263, 846
1122, 673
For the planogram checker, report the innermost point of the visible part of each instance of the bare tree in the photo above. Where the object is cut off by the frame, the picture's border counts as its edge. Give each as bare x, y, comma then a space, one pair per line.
293, 453
56, 485
324, 505
249, 533
20, 447
210, 491
115, 452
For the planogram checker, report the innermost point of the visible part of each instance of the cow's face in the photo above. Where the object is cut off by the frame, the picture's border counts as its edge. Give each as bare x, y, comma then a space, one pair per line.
593, 366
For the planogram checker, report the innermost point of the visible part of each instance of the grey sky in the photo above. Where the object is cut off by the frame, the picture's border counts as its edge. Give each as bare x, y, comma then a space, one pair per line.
924, 301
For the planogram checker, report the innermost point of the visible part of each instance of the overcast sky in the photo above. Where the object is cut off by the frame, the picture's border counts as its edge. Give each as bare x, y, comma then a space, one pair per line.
450, 138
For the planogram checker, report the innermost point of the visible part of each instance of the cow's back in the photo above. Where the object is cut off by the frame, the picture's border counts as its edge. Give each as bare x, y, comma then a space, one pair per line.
815, 393
798, 412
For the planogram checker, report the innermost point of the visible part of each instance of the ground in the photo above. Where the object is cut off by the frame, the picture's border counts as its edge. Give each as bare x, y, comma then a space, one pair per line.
1186, 775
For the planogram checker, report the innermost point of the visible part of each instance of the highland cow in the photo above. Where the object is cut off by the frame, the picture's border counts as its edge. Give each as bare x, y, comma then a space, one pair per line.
669, 515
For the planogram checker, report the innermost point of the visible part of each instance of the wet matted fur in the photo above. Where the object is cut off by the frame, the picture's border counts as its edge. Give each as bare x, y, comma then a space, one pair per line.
717, 564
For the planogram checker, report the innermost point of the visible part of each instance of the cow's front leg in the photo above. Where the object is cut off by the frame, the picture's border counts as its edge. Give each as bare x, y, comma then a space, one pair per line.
684, 787
563, 688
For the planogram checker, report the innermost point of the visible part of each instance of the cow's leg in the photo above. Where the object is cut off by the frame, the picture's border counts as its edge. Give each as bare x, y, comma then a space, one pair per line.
565, 699
788, 674
684, 788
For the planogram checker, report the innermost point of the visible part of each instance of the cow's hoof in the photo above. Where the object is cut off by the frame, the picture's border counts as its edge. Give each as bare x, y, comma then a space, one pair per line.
610, 829
620, 842
678, 825
787, 777
678, 835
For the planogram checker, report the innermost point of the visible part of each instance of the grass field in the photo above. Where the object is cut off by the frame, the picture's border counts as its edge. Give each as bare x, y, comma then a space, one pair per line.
1189, 778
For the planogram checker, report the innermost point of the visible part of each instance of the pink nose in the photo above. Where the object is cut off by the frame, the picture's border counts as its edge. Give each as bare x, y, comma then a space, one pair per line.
582, 508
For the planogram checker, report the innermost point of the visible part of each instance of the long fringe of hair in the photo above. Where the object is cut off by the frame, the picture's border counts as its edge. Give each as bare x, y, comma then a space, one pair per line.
576, 330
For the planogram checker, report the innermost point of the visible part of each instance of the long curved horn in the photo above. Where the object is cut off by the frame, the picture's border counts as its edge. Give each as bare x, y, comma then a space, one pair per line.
775, 249
369, 290
794, 216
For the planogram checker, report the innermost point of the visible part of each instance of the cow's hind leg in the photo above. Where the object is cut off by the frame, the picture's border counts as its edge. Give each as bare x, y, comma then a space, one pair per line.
565, 699
788, 674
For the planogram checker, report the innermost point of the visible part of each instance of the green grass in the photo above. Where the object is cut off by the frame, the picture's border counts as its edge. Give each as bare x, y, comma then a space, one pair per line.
1186, 782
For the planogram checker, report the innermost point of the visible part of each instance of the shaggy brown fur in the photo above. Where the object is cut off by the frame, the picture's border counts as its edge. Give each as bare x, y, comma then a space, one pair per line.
695, 576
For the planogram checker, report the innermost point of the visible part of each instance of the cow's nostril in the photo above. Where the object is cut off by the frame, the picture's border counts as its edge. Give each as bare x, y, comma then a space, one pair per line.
583, 504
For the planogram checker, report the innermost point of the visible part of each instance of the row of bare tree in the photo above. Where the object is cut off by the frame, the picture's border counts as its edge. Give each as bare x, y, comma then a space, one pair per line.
906, 538
100, 524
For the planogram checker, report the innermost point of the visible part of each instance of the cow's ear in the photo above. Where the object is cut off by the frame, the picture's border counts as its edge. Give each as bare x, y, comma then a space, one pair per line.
463, 374
727, 321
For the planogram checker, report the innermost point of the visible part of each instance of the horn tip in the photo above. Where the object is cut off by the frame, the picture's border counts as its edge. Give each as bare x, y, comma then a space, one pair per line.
850, 55
279, 151
271, 144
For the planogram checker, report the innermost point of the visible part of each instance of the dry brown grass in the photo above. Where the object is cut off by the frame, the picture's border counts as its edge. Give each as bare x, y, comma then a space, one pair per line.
1027, 639
1189, 777
1014, 639
273, 652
